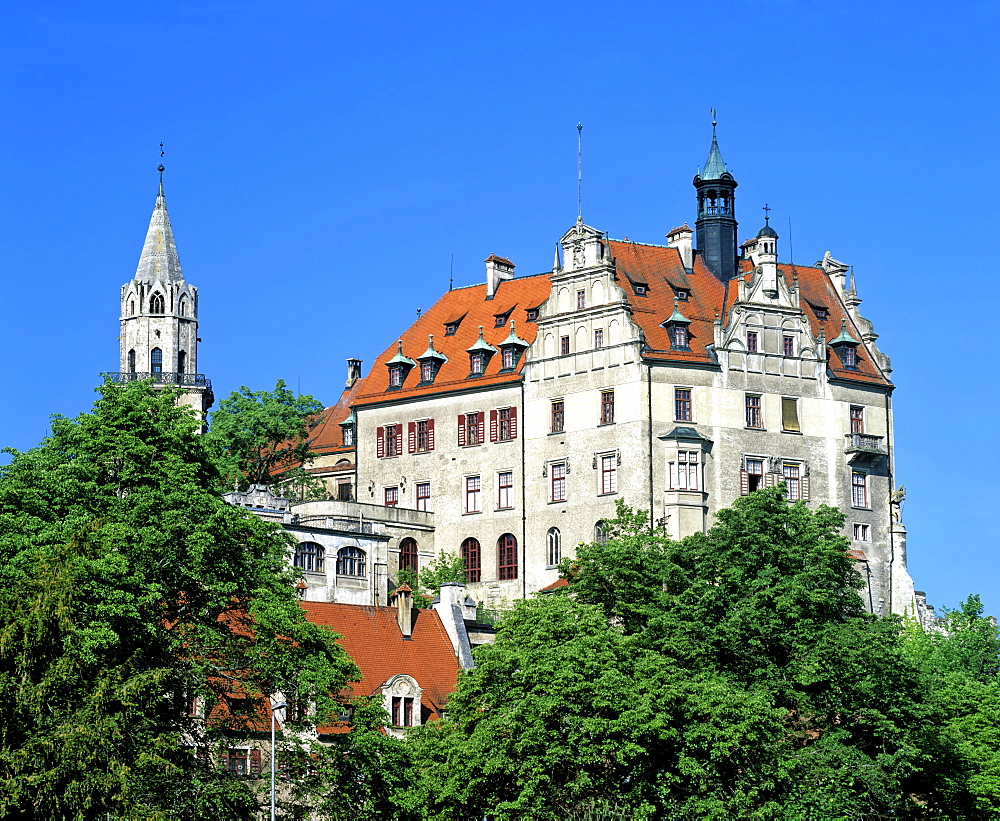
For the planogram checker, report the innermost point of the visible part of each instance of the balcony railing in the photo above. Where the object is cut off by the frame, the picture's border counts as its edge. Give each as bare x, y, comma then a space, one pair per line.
864, 443
195, 380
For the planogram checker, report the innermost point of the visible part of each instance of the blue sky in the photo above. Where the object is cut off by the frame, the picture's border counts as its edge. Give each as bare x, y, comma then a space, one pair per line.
326, 160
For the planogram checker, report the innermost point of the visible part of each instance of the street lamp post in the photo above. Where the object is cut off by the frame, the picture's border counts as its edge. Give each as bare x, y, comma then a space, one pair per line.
274, 706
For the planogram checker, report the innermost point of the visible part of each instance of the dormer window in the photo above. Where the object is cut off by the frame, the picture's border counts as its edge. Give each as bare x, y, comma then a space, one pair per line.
822, 314
679, 337
639, 288
348, 438
509, 358
450, 328
511, 348
532, 314
846, 347
501, 318
427, 372
399, 366
677, 329
682, 294
430, 362
850, 357
479, 355
477, 364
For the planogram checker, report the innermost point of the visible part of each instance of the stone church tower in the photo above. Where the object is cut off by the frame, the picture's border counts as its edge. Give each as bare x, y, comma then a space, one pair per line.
159, 317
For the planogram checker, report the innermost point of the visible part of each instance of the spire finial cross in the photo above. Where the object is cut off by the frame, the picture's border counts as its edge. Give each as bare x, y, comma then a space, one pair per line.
579, 171
160, 166
767, 212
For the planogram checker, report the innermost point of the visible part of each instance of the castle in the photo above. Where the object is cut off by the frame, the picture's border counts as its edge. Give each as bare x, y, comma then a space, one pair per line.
506, 421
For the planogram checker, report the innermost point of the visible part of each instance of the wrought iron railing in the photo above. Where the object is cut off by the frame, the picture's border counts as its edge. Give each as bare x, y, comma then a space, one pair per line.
864, 442
197, 380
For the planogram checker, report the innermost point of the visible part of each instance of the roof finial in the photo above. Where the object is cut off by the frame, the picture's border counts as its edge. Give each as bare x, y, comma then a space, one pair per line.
451, 273
713, 123
767, 215
160, 168
579, 171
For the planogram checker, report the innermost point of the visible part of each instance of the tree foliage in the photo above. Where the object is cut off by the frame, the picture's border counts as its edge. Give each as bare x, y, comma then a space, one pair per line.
262, 437
127, 584
731, 674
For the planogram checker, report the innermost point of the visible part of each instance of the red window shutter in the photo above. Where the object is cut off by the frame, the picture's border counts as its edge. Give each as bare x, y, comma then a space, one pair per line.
461, 430
513, 423
744, 483
255, 761
493, 425
411, 436
380, 442
430, 434
804, 488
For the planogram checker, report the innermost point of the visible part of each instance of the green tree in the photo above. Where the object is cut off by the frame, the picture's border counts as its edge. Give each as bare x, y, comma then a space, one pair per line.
127, 584
262, 437
731, 674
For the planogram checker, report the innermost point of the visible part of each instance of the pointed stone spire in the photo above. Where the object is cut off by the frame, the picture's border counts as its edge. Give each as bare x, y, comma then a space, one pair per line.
159, 260
556, 262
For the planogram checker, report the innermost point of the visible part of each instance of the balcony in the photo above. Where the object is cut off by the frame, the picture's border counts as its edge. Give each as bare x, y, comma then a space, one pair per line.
864, 446
186, 380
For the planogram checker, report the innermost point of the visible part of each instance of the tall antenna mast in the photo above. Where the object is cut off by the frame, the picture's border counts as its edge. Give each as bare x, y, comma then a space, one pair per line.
579, 171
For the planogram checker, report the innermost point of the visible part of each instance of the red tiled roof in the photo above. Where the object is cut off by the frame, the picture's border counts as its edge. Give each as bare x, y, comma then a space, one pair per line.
554, 586
470, 308
327, 436
859, 555
372, 638
660, 267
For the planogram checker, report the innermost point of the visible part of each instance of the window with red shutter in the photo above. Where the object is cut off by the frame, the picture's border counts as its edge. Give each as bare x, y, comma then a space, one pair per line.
493, 426
255, 768
430, 434
513, 423
461, 430
411, 437
380, 442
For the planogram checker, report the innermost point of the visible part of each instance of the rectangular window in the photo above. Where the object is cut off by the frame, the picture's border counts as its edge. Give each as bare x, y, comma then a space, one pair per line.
238, 761
426, 371
684, 474
473, 494
679, 337
599, 337
754, 474
788, 345
450, 328
850, 357
505, 490
395, 376
473, 429
581, 299
505, 423
609, 474
564, 345
682, 404
857, 419
477, 363
751, 341
862, 533
607, 407
423, 495
790, 414
423, 435
558, 417
532, 314
391, 496
345, 491
753, 411
792, 482
559, 482
859, 489
392, 440
509, 358
402, 711
348, 432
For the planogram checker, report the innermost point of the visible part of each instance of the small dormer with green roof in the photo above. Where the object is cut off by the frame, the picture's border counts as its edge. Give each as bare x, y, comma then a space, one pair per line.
846, 347
479, 355
511, 349
677, 326
430, 362
399, 366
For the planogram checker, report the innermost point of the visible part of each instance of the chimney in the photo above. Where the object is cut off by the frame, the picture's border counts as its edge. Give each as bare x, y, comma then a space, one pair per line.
353, 371
681, 239
403, 597
497, 269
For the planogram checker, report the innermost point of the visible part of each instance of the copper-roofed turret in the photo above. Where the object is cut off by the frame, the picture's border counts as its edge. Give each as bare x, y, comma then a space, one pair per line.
716, 224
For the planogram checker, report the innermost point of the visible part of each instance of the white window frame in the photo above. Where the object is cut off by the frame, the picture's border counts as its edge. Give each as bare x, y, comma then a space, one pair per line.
866, 502
607, 480
505, 492
472, 494
422, 502
685, 470
563, 468
553, 545
862, 532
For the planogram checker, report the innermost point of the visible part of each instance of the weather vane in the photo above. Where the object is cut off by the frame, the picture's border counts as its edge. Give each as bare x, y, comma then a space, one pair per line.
713, 122
767, 211
160, 167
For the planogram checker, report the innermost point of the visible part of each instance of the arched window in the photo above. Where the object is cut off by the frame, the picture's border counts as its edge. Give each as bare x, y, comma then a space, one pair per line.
555, 546
408, 555
131, 306
182, 360
131, 361
156, 303
183, 305
601, 532
309, 557
156, 360
507, 557
470, 555
351, 561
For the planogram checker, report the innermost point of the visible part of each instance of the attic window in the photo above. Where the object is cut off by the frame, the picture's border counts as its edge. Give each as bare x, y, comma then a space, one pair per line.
850, 357
822, 314
682, 294
532, 314
477, 363
501, 319
639, 288
450, 328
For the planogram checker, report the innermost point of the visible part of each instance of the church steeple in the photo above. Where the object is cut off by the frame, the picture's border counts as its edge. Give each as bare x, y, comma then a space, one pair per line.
716, 225
159, 317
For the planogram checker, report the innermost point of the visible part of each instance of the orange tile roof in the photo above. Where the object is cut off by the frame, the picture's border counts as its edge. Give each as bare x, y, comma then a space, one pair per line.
372, 638
660, 267
470, 308
327, 436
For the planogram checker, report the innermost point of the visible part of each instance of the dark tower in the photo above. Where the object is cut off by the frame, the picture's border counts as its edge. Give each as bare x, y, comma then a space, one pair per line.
716, 225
